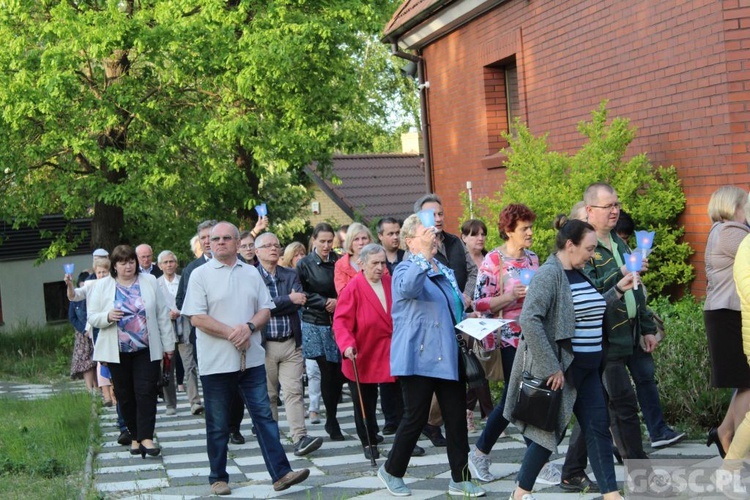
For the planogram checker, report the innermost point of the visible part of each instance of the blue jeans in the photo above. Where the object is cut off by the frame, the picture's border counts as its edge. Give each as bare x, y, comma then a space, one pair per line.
496, 423
591, 411
217, 397
641, 366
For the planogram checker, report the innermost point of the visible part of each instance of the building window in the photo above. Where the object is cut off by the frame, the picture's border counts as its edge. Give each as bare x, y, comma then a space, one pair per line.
501, 101
55, 301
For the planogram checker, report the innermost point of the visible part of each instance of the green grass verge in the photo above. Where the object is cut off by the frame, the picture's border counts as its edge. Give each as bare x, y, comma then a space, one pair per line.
43, 445
36, 354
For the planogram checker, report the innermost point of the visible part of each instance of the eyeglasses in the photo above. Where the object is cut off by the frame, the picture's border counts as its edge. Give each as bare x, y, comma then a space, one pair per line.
222, 238
608, 208
247, 247
270, 245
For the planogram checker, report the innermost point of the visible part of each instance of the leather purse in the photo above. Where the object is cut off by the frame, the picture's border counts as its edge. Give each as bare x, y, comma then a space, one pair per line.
470, 370
537, 404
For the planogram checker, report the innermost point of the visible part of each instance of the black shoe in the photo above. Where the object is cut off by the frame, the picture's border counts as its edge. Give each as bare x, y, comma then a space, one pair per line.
371, 453
432, 432
389, 430
418, 451
236, 438
713, 438
334, 431
125, 438
617, 455
151, 452
379, 439
580, 483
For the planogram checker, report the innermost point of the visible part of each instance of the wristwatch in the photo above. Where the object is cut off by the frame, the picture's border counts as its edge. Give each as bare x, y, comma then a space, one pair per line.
251, 326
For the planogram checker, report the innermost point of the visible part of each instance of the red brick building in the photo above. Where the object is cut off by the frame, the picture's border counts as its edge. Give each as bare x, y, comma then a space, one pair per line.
678, 69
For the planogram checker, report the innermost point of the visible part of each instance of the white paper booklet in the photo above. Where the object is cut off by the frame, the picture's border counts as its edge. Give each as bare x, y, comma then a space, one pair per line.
479, 328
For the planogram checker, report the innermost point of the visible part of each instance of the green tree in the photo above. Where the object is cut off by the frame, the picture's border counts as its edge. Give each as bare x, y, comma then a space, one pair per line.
551, 182
151, 115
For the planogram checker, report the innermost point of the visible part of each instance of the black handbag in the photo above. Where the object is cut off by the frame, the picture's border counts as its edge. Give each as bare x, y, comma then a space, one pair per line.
537, 404
470, 370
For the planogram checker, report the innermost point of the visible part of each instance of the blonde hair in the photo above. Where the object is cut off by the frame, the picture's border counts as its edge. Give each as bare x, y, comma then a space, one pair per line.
725, 201
355, 228
408, 229
196, 247
579, 211
291, 250
102, 262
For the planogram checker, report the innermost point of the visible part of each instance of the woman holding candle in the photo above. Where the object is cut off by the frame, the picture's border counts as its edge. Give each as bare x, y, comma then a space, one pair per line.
132, 341
721, 311
500, 294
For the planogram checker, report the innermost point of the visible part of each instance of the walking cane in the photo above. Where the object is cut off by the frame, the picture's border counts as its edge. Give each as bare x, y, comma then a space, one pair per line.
362, 408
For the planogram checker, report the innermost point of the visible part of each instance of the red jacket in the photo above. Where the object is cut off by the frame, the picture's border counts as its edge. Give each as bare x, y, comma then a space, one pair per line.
361, 322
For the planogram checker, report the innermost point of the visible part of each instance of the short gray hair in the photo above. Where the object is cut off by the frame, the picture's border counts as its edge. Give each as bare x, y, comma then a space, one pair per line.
591, 194
263, 237
369, 250
428, 198
207, 224
408, 230
164, 254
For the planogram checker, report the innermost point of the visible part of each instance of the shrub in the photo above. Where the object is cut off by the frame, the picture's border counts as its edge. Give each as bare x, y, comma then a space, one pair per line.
550, 183
683, 367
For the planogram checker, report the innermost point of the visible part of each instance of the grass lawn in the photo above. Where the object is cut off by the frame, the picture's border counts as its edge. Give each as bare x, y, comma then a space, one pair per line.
43, 442
43, 445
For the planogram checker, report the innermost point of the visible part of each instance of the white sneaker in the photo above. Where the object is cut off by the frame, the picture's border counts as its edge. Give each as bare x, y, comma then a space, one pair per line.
527, 496
479, 466
549, 474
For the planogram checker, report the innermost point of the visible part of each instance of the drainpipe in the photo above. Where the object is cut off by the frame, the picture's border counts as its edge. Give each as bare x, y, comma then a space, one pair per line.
423, 86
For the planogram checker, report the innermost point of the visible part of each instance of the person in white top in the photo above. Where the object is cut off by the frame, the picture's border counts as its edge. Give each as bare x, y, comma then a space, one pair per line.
228, 304
168, 283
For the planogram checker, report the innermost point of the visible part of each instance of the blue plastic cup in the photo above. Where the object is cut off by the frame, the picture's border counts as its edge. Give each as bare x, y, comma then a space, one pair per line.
69, 268
427, 217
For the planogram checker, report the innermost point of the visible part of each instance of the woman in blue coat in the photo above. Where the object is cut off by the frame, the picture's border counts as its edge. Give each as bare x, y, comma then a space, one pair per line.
424, 356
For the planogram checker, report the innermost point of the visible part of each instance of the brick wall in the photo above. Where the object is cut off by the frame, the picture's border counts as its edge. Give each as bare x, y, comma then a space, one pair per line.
679, 70
329, 211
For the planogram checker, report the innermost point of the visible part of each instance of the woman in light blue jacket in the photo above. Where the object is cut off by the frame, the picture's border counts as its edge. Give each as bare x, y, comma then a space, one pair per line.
424, 356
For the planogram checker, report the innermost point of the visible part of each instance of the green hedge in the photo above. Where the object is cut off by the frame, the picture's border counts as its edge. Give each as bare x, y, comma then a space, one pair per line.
683, 368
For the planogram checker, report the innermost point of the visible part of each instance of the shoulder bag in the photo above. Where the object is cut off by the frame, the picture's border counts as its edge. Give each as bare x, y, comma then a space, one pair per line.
537, 404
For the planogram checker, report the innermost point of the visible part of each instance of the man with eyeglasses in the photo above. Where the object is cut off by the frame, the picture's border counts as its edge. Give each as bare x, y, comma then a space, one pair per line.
229, 306
624, 327
283, 342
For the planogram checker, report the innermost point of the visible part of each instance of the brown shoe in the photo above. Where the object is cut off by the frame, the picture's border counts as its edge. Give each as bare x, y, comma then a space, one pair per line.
290, 479
220, 488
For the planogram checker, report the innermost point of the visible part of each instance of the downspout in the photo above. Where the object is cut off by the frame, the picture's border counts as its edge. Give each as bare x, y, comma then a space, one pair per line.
425, 123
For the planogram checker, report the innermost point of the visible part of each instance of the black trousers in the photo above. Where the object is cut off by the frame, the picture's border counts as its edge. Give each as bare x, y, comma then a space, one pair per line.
391, 403
417, 394
135, 378
370, 402
331, 383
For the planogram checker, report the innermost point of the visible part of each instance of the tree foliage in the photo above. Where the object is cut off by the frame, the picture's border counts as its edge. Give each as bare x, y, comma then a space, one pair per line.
150, 116
551, 182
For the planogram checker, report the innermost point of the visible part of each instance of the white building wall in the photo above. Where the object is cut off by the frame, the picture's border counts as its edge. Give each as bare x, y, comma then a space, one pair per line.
22, 288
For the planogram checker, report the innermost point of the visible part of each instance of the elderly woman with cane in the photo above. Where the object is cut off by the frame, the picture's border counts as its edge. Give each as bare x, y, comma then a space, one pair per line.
424, 355
363, 328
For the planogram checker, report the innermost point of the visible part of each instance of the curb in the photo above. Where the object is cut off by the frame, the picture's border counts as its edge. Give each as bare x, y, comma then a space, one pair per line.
88, 470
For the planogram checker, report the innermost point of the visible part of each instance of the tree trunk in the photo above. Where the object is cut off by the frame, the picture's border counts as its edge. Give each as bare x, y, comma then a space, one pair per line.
107, 225
246, 162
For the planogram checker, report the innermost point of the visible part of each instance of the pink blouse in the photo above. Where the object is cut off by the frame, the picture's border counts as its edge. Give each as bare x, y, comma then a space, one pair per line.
498, 274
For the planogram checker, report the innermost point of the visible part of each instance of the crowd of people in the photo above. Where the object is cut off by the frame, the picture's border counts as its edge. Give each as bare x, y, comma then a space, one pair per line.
251, 319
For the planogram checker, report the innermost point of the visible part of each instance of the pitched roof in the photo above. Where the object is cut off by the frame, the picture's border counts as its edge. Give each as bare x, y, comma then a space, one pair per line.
374, 185
410, 13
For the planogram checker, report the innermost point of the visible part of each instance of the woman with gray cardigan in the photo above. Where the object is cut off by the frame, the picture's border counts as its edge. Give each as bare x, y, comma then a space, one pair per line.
561, 323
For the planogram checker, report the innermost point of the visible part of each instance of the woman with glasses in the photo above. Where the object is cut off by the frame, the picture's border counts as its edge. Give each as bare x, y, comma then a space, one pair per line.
247, 248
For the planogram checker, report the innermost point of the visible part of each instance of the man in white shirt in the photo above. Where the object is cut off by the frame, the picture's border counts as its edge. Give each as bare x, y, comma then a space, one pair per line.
229, 304
168, 284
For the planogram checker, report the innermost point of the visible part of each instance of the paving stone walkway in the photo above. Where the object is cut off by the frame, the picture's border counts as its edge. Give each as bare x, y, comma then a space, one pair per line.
338, 470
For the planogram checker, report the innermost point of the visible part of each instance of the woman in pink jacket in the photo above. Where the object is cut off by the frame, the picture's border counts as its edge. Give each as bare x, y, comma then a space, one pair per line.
363, 328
